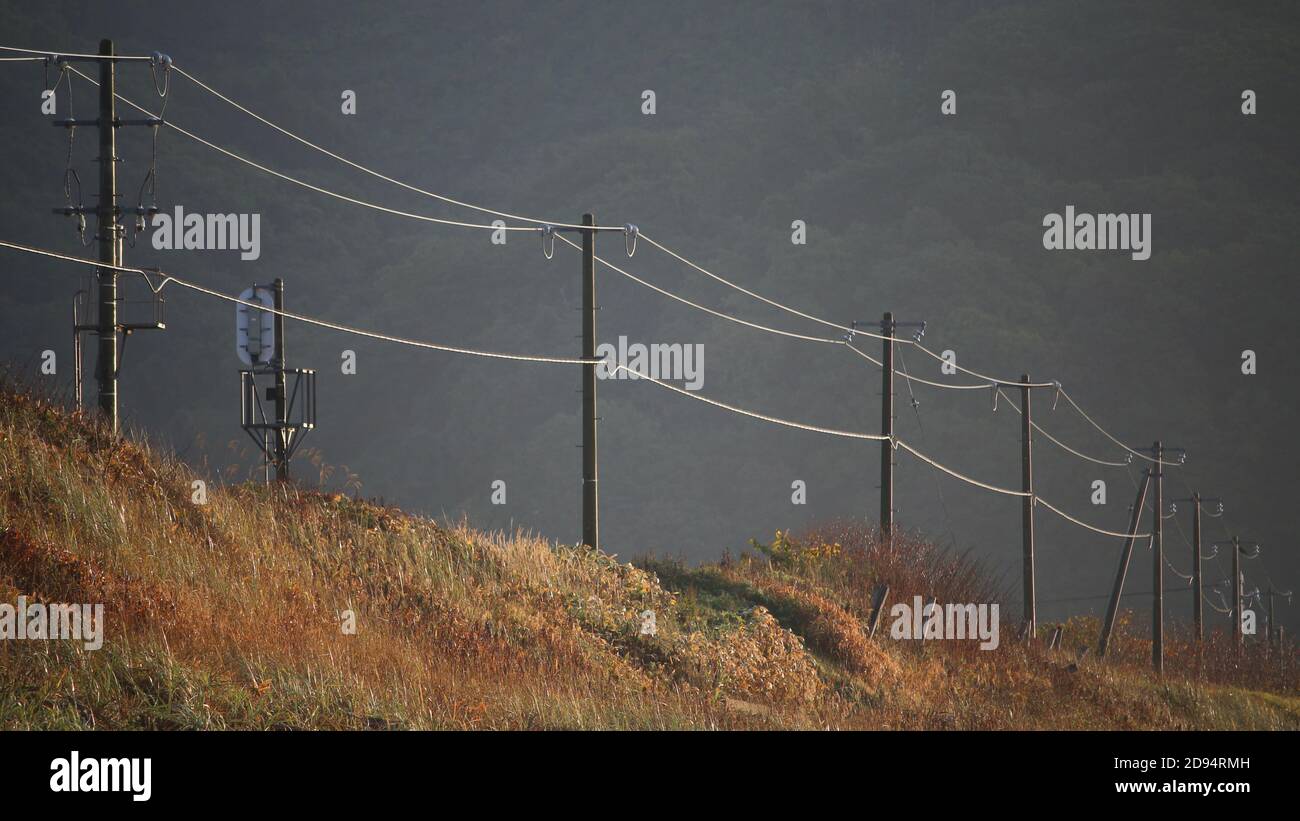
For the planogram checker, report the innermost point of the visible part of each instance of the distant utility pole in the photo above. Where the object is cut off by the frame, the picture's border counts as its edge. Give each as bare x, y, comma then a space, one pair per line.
1198, 583
1273, 635
1125, 555
1238, 548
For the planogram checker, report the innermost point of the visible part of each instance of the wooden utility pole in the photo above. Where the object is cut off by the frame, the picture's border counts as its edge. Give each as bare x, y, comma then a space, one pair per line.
1027, 506
281, 399
590, 496
110, 240
887, 430
1158, 564
1112, 609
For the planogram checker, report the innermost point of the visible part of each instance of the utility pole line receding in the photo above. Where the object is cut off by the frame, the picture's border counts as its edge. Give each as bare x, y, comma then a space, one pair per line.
590, 494
110, 242
1112, 609
1027, 507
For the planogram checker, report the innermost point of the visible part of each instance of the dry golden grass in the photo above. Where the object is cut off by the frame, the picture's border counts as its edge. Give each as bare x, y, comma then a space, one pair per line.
228, 615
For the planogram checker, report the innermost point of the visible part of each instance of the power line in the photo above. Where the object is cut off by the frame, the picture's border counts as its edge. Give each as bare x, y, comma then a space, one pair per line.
310, 186
920, 427
1093, 528
1066, 396
1058, 442
167, 278
752, 414
719, 314
65, 54
759, 297
372, 172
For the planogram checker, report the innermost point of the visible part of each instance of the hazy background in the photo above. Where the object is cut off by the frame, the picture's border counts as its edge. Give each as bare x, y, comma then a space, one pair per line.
766, 113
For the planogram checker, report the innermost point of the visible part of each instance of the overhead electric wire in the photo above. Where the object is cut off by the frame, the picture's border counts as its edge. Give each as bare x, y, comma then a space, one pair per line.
1010, 383
920, 427
719, 314
310, 186
1094, 528
358, 166
73, 54
764, 417
759, 297
976, 482
1066, 395
168, 278
1058, 442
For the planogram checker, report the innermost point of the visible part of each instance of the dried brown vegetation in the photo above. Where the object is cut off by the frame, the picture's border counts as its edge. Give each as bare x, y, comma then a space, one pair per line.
230, 614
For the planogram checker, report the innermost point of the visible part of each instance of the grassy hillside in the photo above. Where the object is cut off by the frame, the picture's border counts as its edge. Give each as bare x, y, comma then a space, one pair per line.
228, 615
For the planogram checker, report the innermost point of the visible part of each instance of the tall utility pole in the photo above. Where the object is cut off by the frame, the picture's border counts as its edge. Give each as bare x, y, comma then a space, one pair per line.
110, 240
282, 432
888, 332
1027, 508
109, 232
1124, 557
590, 494
1158, 565
887, 429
